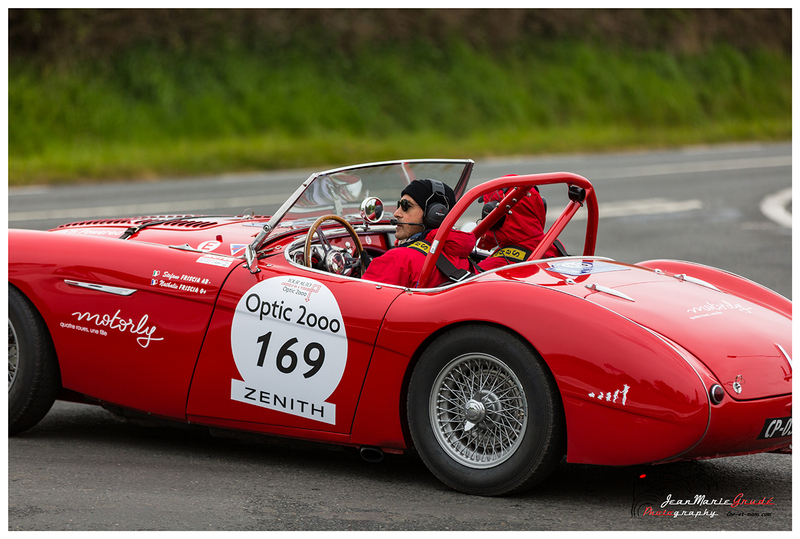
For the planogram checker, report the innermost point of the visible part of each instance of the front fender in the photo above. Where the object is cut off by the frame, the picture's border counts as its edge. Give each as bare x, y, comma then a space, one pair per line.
137, 349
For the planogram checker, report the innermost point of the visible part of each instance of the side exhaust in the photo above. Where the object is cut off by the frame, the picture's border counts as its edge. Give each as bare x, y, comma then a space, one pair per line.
371, 454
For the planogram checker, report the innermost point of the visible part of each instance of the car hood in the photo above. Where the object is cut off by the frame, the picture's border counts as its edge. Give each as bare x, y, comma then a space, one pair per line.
747, 346
219, 235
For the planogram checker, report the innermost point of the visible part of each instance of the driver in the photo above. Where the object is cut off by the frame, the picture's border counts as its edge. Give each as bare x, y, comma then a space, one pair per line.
420, 211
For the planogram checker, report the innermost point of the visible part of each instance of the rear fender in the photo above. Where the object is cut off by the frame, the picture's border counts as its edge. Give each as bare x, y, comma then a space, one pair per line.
629, 397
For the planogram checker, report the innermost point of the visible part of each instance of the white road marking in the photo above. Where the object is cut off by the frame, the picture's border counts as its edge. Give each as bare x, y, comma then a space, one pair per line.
628, 208
774, 207
690, 167
696, 167
624, 208
147, 209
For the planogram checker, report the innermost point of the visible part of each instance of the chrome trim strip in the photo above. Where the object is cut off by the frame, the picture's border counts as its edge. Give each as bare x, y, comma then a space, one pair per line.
730, 273
687, 278
102, 288
610, 291
785, 355
187, 247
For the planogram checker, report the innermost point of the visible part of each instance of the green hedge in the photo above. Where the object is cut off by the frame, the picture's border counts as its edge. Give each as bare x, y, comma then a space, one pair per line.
146, 111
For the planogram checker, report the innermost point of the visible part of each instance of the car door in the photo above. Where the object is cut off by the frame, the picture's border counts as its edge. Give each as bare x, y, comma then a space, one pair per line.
287, 347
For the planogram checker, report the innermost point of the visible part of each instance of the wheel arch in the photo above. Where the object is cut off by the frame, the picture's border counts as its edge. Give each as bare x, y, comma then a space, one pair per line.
404, 336
37, 381
34, 299
29, 267
63, 394
37, 311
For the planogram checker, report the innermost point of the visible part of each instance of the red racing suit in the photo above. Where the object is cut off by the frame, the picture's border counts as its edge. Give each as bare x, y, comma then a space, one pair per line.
403, 264
520, 233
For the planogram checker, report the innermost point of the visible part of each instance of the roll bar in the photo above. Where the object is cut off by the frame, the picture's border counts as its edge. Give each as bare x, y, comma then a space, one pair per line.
580, 192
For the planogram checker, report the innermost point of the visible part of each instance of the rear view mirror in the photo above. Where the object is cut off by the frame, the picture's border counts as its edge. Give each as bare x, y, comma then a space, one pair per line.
372, 210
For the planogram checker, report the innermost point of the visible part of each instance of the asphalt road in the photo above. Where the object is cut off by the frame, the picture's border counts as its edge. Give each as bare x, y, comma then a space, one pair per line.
80, 469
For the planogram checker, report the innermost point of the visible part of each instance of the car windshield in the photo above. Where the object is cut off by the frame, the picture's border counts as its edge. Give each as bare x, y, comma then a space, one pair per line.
341, 191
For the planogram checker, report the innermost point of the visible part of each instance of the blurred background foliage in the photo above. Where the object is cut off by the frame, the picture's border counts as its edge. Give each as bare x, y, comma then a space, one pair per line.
126, 93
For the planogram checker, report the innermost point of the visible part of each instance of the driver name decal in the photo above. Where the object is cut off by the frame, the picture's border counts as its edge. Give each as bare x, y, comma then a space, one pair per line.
216, 260
290, 347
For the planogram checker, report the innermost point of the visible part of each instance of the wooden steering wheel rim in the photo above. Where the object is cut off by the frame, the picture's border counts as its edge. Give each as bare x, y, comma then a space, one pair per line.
316, 225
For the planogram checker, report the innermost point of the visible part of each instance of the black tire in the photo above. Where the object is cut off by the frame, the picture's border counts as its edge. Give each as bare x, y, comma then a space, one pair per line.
34, 379
484, 412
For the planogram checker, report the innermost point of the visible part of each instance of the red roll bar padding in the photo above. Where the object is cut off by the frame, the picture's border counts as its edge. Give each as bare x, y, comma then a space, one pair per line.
514, 195
518, 186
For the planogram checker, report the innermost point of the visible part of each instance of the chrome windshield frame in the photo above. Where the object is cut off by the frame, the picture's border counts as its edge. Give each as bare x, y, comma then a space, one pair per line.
252, 249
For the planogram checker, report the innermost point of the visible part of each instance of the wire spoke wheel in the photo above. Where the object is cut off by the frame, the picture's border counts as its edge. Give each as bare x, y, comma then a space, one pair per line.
484, 411
478, 411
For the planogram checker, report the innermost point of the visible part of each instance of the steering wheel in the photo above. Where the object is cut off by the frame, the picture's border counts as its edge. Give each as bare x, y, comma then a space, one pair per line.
332, 259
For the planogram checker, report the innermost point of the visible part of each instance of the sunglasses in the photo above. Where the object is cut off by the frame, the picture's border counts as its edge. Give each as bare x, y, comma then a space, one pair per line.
405, 204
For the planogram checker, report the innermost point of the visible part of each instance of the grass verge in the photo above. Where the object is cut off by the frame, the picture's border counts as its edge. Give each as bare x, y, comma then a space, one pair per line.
113, 161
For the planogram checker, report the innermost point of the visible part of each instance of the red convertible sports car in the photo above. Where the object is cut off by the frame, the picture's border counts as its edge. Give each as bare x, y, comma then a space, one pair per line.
263, 324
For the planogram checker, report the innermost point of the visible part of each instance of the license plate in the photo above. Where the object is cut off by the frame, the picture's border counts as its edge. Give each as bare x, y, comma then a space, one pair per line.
776, 427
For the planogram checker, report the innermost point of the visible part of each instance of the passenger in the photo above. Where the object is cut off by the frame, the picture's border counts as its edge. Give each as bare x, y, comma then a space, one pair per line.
518, 233
420, 212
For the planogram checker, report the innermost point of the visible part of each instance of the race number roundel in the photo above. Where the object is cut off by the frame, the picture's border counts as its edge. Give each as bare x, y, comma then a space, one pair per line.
290, 346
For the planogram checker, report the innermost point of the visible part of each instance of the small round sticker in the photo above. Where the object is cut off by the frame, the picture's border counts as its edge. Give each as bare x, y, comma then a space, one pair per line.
290, 346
